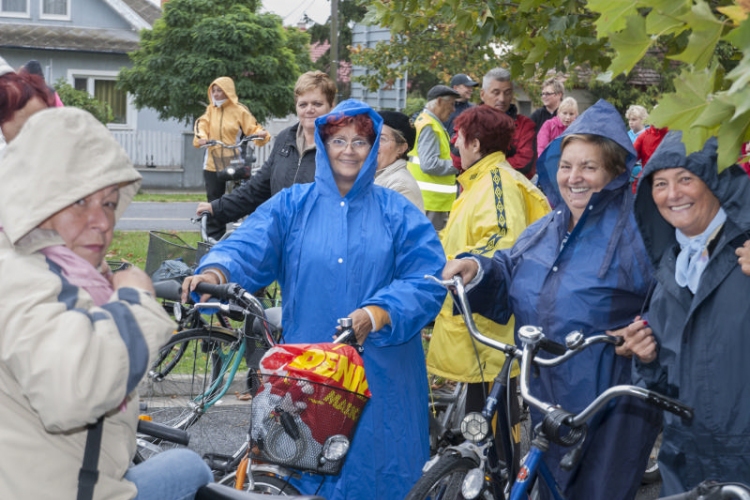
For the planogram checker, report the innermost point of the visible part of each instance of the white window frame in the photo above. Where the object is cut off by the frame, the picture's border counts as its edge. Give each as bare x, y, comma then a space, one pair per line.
26, 14
131, 113
56, 17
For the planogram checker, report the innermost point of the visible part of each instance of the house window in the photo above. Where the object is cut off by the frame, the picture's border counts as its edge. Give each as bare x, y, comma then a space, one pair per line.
14, 8
55, 9
103, 86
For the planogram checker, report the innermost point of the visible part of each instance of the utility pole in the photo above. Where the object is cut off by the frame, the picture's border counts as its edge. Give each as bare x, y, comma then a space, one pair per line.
335, 42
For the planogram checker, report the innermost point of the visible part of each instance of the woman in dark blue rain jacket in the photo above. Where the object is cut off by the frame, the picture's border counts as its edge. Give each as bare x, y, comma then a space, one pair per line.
699, 314
339, 246
582, 267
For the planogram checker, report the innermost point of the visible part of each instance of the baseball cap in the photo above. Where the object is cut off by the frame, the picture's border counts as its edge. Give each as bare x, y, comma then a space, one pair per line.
462, 79
441, 91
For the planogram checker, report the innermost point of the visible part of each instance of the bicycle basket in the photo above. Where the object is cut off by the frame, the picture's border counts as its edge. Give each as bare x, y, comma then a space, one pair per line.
167, 246
294, 414
202, 250
226, 157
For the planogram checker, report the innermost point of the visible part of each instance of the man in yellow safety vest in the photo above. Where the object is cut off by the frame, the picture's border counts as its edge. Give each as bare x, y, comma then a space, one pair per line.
430, 160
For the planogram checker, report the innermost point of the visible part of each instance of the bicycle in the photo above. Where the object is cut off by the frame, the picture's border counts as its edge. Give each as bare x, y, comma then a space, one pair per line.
709, 490
472, 469
193, 373
158, 432
232, 165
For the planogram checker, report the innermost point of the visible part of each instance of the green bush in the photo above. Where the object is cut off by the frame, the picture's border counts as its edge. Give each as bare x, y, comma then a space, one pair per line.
414, 105
81, 99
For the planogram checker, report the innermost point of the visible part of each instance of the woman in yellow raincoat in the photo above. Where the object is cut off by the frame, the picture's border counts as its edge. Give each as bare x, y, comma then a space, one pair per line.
496, 205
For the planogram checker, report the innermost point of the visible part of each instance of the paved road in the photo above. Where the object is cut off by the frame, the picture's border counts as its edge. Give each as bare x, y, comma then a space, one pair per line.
147, 216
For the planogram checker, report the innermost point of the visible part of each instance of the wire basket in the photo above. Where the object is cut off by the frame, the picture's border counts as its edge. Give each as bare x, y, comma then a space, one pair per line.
202, 250
293, 417
167, 246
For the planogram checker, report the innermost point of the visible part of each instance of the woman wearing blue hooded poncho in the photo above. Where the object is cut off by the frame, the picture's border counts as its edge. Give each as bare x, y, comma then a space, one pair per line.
581, 267
339, 247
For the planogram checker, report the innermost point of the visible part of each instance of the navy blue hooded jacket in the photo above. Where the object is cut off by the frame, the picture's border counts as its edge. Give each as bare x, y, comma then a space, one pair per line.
597, 282
703, 339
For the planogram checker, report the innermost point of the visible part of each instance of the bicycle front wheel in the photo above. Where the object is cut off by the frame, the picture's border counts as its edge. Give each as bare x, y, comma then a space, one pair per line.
443, 480
265, 484
183, 387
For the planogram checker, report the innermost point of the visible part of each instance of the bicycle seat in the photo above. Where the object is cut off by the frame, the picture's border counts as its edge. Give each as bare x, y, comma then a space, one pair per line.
218, 492
273, 315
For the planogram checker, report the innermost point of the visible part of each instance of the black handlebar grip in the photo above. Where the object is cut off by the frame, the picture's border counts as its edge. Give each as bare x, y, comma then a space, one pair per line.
164, 432
671, 406
168, 289
552, 347
221, 292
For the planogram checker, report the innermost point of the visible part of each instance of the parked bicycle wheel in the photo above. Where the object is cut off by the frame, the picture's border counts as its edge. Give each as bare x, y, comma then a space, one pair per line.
443, 480
265, 484
183, 389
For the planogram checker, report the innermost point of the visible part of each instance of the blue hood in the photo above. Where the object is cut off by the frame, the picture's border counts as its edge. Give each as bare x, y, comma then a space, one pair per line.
324, 176
731, 187
600, 119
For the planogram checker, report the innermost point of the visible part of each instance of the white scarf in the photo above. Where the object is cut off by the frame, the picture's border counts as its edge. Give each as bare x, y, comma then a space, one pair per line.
219, 103
693, 257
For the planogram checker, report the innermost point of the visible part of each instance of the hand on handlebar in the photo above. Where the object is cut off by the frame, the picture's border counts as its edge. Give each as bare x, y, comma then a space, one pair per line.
189, 284
466, 268
204, 206
132, 277
639, 340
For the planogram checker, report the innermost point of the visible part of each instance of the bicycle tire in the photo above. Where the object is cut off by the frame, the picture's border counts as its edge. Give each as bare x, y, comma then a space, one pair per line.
443, 480
182, 396
265, 484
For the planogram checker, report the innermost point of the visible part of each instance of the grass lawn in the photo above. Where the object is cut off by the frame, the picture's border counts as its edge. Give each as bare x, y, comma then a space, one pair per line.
171, 197
132, 246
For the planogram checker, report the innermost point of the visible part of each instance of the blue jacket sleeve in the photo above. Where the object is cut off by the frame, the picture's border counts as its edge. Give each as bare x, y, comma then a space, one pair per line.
489, 297
410, 300
252, 256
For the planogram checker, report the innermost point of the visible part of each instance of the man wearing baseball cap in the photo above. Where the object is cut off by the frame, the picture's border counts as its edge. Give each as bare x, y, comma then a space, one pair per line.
464, 85
430, 159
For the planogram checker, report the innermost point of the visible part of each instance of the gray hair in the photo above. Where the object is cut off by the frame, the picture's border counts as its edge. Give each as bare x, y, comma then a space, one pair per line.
496, 74
556, 85
636, 111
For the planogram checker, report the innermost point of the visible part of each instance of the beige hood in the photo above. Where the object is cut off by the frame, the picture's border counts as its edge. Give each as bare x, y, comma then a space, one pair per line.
60, 156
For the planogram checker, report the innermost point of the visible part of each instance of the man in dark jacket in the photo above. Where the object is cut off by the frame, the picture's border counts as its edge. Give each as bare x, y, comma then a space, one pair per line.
497, 91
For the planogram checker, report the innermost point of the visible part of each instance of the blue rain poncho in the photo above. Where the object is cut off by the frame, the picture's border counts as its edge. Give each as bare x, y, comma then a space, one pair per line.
598, 281
332, 254
703, 339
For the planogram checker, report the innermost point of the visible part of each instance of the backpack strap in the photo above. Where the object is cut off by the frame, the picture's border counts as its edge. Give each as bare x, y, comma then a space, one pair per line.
89, 473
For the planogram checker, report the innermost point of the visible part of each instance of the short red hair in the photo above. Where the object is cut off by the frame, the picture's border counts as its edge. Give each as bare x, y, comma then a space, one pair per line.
493, 128
362, 124
17, 89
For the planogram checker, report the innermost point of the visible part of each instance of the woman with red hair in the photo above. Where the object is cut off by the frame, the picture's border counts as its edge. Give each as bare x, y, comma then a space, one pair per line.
496, 205
21, 95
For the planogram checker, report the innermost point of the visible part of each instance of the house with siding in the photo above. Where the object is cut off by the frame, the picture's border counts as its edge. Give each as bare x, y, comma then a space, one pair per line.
85, 42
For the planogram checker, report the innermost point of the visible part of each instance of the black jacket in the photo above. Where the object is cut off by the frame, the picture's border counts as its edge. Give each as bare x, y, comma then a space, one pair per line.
283, 168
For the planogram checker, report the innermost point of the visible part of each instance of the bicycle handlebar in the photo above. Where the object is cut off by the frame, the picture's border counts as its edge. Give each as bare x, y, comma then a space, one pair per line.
709, 490
247, 138
164, 432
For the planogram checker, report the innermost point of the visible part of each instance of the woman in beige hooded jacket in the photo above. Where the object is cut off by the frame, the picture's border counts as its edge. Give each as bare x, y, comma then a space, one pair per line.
75, 339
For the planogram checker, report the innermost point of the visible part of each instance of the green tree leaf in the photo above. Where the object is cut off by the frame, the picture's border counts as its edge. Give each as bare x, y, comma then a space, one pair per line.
631, 45
706, 32
665, 17
613, 15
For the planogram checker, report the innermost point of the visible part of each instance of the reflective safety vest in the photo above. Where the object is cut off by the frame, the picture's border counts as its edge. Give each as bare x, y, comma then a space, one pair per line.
438, 191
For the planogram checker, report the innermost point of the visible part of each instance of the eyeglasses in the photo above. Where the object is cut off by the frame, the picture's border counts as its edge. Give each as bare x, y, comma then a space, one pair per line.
547, 94
356, 144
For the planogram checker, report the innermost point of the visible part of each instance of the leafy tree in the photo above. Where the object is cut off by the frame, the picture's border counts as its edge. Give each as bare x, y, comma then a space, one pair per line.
709, 40
81, 99
439, 50
196, 41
